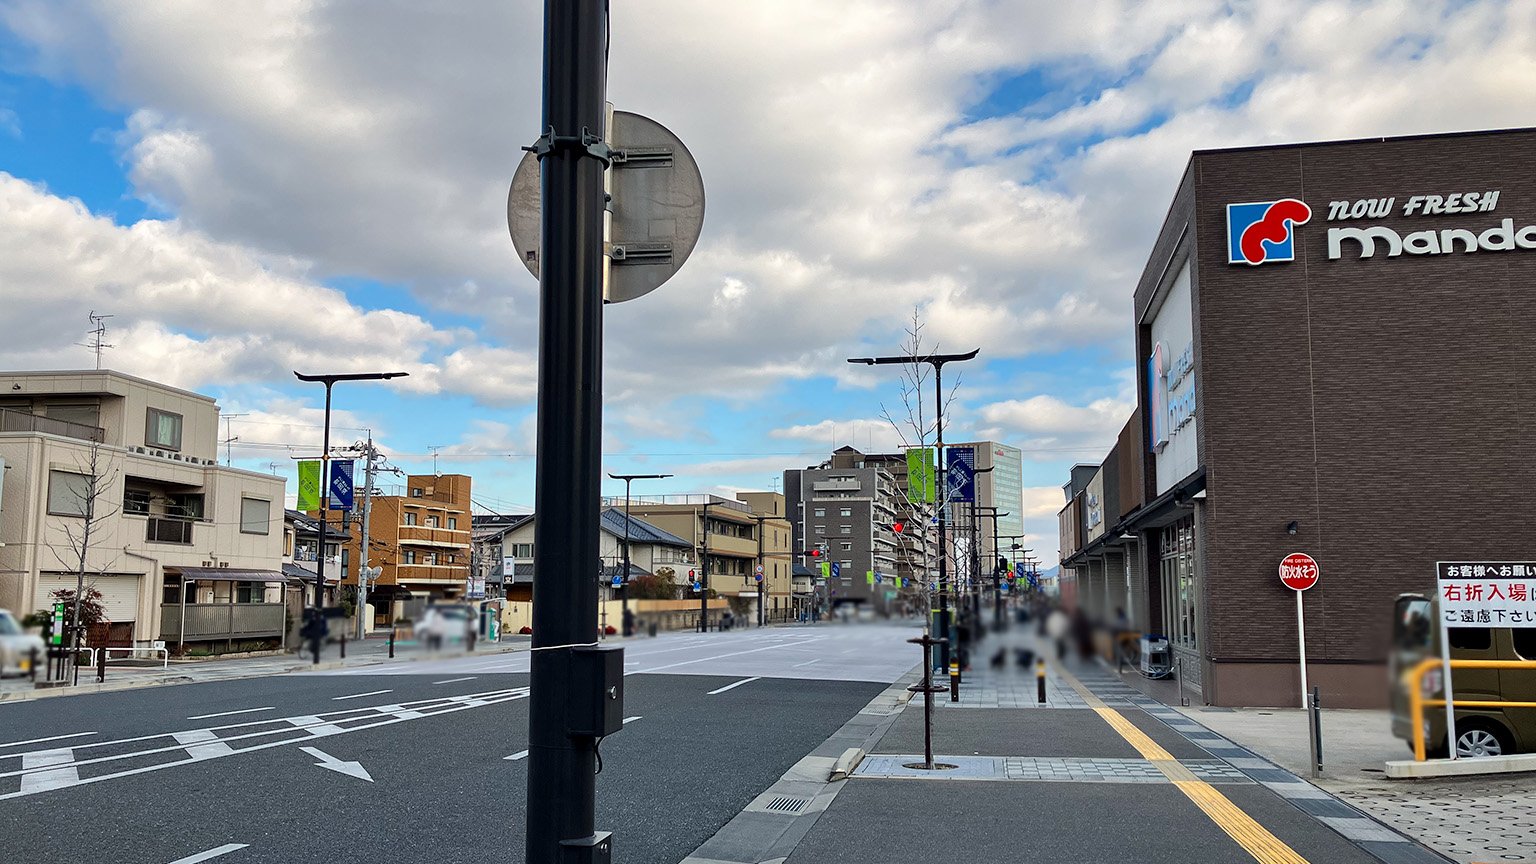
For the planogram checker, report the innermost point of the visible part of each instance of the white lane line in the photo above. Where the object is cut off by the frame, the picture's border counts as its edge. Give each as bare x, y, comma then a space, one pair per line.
315, 726
211, 853
361, 695
632, 719
521, 754
806, 663
733, 686
55, 778
731, 654
456, 680
205, 744
232, 713
41, 740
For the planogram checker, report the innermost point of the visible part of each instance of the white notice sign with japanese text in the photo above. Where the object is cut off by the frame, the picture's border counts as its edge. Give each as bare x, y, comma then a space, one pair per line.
1487, 594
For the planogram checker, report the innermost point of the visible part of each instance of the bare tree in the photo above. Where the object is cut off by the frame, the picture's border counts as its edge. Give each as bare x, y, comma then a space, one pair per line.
917, 428
84, 494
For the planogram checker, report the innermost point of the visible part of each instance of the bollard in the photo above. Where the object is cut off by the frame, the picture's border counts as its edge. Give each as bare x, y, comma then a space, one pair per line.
954, 680
391, 643
101, 665
1315, 718
32, 669
343, 646
1040, 680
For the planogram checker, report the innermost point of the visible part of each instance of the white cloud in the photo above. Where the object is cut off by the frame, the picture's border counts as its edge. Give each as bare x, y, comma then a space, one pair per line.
1047, 427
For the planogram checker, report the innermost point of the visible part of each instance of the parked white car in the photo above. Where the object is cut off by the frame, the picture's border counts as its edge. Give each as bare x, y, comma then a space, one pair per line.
16, 647
446, 623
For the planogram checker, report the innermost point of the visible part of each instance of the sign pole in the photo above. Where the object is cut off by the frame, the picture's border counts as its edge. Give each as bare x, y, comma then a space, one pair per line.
1301, 640
1450, 699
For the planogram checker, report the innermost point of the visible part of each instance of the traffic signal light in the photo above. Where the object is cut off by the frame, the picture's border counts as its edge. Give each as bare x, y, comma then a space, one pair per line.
898, 527
814, 553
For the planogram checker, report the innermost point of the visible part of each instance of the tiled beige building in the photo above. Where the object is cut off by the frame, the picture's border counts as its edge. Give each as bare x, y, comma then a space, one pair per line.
163, 512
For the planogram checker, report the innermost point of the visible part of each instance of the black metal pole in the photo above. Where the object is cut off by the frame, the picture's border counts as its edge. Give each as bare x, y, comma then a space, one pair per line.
950, 655
624, 590
562, 767
325, 503
704, 576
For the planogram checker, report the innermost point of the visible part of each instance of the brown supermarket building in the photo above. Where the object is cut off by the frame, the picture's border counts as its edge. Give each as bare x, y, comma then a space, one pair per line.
1336, 350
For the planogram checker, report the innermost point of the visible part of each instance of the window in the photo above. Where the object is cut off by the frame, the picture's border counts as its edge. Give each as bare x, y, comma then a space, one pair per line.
1471, 638
410, 556
136, 501
1180, 583
85, 415
410, 518
69, 493
845, 529
847, 547
821, 511
255, 516
250, 592
1525, 642
415, 491
522, 550
821, 529
846, 511
187, 505
431, 558
163, 429
453, 523
431, 521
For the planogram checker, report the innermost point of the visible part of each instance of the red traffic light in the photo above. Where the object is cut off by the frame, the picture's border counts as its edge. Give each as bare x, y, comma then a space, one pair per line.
814, 553
898, 527
690, 574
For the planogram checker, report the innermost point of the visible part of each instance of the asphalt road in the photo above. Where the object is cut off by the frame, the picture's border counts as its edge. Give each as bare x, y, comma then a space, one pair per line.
235, 770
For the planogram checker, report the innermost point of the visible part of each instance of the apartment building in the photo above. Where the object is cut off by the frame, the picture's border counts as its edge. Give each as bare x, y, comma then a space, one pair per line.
730, 538
420, 540
850, 505
181, 548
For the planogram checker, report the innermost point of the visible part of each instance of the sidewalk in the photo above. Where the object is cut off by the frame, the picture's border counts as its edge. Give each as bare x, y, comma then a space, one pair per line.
1471, 819
1128, 779
369, 652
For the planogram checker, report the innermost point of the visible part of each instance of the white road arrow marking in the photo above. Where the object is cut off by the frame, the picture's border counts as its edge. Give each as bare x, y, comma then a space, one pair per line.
351, 769
211, 853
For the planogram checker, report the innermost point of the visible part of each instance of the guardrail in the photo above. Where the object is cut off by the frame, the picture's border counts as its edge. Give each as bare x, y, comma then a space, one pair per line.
165, 655
1413, 678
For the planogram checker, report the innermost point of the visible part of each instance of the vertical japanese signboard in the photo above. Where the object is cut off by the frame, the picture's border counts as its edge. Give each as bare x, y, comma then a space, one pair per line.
1480, 594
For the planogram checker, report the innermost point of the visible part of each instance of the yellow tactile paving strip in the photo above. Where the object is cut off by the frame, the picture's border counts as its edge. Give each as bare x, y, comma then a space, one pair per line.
1265, 847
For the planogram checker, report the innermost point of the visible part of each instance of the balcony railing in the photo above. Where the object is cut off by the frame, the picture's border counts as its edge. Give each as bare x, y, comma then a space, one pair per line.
158, 530
12, 420
221, 621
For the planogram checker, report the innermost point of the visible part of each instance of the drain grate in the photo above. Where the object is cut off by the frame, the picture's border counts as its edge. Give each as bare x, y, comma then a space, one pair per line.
787, 804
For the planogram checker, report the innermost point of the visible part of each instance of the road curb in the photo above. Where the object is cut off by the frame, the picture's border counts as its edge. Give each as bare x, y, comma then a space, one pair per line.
325, 666
770, 828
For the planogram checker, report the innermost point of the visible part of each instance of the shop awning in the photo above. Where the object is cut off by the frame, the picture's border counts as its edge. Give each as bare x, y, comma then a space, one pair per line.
225, 574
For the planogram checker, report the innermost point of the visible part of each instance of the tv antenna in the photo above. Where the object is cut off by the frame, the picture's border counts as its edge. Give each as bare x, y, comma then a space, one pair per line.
98, 335
434, 448
230, 437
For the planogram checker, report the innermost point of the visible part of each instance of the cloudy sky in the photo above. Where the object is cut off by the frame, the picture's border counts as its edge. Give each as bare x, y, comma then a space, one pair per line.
254, 187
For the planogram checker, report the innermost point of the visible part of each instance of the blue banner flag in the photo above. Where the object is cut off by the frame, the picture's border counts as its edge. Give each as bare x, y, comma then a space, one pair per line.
962, 483
341, 485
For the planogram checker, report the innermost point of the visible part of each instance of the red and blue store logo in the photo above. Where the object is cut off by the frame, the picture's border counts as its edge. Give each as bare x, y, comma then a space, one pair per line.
1264, 232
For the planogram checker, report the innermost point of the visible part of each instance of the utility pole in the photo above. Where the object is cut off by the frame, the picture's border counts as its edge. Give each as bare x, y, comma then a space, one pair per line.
704, 576
229, 437
574, 690
362, 566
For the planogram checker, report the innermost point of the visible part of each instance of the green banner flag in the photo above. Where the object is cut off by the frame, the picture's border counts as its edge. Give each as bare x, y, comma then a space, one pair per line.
826, 569
309, 485
920, 475
870, 577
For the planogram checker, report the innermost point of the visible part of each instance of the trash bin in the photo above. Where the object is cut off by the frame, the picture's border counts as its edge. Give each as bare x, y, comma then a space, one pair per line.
652, 629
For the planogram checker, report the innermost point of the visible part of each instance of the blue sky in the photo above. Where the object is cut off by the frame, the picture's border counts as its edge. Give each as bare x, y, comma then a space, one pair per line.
264, 187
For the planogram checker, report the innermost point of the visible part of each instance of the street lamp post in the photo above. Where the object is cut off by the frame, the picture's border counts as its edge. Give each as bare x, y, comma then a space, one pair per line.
628, 478
704, 575
946, 621
325, 483
997, 575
